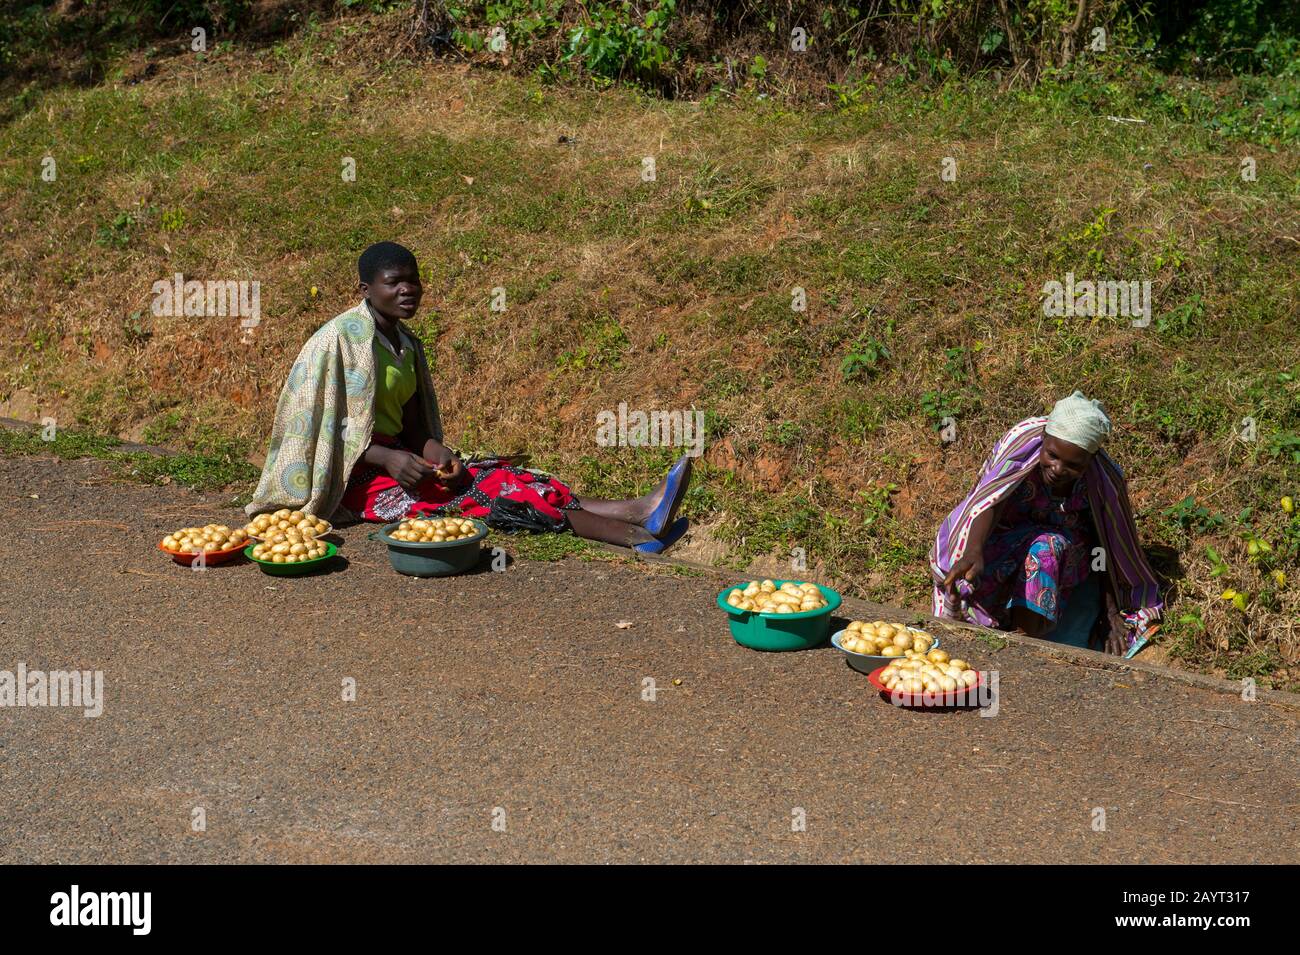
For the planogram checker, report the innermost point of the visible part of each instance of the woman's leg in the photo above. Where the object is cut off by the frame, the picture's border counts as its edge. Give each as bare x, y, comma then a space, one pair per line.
634, 510
611, 530
1035, 597
631, 510
1029, 623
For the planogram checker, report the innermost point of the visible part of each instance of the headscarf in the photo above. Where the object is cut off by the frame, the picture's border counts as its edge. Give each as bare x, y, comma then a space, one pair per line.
1080, 421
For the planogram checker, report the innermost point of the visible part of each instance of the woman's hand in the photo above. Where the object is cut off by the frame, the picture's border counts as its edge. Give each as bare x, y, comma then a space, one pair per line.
1116, 625
968, 568
450, 468
1117, 638
406, 469
453, 474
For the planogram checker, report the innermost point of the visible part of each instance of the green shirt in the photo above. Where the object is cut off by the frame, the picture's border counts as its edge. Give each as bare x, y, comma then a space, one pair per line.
394, 384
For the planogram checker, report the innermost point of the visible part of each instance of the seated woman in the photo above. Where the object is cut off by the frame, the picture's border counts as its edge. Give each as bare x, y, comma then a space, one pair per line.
357, 429
1048, 508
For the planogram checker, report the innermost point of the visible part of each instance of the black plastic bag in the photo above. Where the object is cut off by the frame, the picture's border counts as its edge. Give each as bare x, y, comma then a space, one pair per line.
515, 516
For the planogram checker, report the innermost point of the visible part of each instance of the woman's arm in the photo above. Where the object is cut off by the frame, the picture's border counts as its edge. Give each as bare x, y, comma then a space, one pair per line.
971, 564
416, 435
1117, 626
405, 468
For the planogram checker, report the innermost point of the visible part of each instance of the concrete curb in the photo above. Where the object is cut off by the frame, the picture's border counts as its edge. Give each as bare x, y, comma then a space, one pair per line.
1068, 654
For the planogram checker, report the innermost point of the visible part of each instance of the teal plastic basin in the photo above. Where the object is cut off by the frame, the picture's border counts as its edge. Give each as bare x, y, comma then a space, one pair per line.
435, 559
780, 631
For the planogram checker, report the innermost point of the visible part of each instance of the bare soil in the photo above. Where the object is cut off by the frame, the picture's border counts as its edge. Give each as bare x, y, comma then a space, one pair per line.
516, 696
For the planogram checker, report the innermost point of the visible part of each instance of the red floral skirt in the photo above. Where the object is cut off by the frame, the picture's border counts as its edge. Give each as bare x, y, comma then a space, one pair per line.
375, 496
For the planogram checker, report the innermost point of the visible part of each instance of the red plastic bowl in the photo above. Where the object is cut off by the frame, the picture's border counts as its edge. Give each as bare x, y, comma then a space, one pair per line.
213, 557
967, 697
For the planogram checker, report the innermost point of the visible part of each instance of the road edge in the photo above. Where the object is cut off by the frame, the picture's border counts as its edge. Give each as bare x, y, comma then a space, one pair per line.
1075, 655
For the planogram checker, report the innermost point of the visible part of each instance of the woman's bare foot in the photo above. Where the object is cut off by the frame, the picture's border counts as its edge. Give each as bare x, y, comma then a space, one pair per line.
1031, 624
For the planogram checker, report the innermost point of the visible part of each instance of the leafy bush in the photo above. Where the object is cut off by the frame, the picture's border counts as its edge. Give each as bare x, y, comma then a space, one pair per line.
691, 45
1227, 36
616, 43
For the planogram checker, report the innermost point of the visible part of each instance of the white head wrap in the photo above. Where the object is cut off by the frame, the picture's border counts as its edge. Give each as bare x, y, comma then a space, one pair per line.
1080, 421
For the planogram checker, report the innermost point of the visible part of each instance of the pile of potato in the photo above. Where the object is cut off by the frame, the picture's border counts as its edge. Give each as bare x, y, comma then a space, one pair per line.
882, 639
933, 672
205, 539
766, 597
294, 527
290, 552
434, 530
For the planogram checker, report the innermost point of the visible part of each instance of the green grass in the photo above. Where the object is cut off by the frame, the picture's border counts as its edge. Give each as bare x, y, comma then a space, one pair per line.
549, 547
993, 641
202, 471
923, 296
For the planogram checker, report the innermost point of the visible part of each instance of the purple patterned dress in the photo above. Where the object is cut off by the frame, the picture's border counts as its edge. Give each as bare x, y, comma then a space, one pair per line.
1038, 552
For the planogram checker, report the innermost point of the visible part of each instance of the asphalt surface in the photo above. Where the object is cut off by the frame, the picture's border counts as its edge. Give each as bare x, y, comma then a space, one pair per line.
499, 717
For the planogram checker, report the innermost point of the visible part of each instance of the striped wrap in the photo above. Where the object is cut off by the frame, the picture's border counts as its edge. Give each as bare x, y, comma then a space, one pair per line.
1013, 458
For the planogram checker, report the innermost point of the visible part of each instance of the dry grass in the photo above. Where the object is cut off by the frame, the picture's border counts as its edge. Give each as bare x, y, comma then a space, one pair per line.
675, 294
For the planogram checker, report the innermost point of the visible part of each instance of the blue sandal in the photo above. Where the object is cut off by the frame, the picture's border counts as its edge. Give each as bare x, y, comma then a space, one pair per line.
659, 545
679, 477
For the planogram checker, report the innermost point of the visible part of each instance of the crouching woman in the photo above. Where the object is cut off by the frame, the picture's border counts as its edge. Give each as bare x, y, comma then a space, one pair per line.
1046, 536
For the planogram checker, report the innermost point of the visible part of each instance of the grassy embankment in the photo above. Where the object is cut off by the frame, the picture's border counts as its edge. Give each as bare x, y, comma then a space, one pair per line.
923, 295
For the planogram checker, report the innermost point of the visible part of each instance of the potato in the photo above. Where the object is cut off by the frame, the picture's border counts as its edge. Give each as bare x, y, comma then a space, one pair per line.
765, 595
206, 539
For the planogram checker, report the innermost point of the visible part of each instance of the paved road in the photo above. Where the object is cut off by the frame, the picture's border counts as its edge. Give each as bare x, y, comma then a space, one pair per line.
515, 696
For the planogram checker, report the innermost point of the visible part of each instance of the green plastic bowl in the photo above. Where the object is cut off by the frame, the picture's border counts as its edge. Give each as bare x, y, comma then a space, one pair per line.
435, 559
780, 631
297, 568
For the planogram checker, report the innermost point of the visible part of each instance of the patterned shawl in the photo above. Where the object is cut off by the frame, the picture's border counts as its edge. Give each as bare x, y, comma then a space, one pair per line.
1014, 457
326, 414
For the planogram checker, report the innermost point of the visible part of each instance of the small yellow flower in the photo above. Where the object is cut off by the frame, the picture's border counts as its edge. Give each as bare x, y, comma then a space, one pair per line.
1280, 577
314, 291
1288, 505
